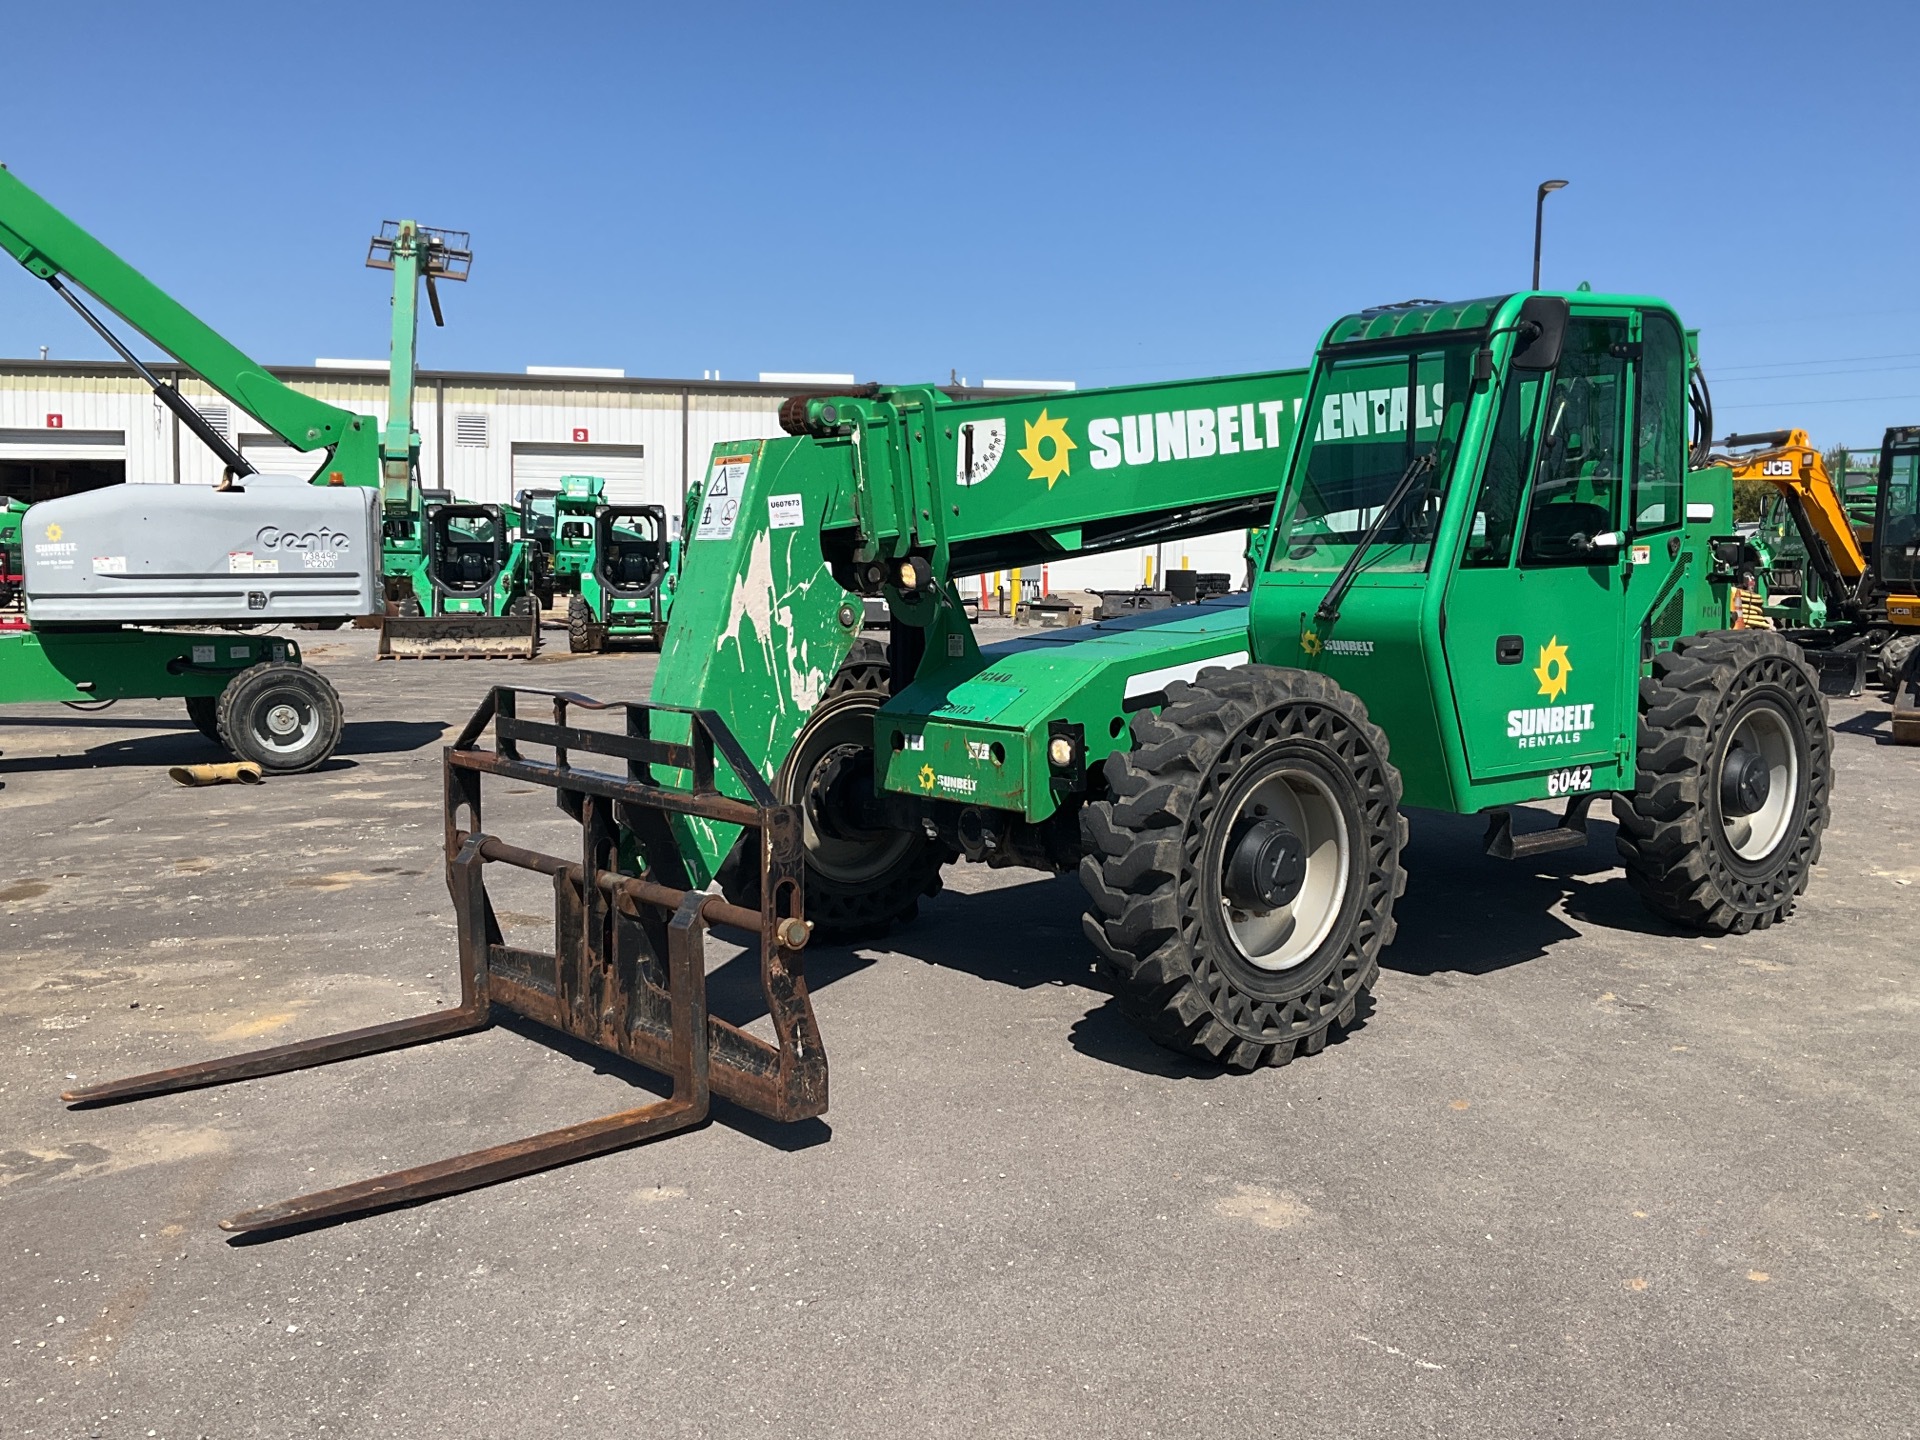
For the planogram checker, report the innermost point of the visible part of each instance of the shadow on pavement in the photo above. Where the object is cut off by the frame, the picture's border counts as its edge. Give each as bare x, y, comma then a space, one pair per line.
186, 746
388, 737
1876, 725
94, 719
1464, 913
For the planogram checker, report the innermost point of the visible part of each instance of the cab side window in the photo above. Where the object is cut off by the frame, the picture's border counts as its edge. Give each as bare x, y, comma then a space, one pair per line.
1583, 451
1660, 449
1496, 511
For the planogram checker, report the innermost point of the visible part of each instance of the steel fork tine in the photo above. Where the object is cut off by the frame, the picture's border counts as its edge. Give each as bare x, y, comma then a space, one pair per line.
301, 1055
480, 1167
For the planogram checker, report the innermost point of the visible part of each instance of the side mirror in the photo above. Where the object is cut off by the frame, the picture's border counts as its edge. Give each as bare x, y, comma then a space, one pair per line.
1539, 332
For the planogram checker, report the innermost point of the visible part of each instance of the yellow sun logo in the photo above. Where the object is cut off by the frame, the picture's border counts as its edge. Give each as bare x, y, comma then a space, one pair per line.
1309, 643
1553, 669
926, 778
1047, 467
53, 532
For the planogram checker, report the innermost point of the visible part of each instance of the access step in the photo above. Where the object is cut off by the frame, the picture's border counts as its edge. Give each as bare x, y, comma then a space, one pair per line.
1569, 834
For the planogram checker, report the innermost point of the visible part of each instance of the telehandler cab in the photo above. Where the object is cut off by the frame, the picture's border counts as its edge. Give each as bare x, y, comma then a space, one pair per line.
1489, 579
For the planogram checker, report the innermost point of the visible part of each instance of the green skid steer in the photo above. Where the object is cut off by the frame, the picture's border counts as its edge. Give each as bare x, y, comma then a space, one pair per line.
625, 588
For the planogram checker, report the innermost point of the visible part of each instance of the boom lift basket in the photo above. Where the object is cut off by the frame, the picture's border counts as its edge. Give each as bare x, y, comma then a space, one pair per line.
628, 969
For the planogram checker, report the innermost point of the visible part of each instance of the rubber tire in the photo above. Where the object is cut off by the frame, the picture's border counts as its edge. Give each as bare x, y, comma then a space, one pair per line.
865, 668
409, 605
204, 711
1670, 829
253, 688
839, 914
523, 607
584, 637
1175, 970
1895, 656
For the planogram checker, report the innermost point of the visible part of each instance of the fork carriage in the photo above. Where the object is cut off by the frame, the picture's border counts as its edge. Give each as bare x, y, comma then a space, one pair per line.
627, 973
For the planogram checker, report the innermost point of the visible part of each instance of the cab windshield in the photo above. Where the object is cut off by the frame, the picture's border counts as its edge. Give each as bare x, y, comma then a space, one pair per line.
1375, 418
1897, 539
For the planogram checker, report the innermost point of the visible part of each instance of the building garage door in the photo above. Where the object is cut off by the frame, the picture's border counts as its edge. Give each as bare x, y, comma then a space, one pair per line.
623, 467
271, 455
38, 465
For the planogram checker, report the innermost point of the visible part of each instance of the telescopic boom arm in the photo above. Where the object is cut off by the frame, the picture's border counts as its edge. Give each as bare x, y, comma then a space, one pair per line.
54, 248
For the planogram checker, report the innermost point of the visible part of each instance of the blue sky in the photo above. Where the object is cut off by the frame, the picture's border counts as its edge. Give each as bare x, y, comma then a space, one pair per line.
1104, 193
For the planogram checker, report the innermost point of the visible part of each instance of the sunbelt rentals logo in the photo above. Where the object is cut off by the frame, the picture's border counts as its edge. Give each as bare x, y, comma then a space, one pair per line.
1114, 442
1047, 448
1544, 725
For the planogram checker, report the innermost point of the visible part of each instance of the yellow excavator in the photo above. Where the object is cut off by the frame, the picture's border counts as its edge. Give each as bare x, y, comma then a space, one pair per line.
1845, 586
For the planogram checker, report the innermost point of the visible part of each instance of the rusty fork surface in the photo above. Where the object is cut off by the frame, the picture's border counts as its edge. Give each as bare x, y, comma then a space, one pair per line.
627, 973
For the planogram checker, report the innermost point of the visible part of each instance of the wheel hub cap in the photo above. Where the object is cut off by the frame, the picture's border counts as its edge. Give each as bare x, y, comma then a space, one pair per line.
1267, 867
1745, 782
283, 720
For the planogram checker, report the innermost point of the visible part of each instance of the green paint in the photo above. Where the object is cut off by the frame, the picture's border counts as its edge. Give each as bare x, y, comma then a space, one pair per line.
44, 666
1488, 550
764, 605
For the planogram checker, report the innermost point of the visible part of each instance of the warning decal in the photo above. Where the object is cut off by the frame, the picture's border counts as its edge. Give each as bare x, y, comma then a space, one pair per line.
720, 506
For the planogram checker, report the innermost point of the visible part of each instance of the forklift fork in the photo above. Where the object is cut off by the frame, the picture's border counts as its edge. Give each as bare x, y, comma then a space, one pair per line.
628, 970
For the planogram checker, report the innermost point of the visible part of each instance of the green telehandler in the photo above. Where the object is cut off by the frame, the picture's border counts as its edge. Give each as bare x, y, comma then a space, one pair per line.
460, 576
1494, 572
1493, 576
574, 508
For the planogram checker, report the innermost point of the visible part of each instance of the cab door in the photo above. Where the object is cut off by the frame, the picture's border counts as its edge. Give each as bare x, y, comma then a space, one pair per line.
1534, 614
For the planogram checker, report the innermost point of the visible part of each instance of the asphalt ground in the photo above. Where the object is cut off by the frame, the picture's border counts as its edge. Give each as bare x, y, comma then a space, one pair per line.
1577, 1173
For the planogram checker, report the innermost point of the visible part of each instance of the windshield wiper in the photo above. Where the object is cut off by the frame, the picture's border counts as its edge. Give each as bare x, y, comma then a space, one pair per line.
1329, 610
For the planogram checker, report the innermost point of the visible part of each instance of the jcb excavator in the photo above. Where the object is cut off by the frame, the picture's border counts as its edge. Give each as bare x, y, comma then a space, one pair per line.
1493, 573
1859, 607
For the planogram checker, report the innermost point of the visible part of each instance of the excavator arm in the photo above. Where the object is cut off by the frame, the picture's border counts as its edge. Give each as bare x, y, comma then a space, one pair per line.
51, 246
1788, 461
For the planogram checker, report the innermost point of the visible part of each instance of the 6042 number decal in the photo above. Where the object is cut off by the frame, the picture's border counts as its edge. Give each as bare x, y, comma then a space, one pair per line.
1570, 782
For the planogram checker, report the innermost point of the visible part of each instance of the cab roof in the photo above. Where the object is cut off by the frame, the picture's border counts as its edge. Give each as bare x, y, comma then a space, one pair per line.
1433, 317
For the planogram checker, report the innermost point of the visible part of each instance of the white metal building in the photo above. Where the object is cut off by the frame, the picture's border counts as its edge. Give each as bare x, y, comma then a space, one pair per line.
75, 425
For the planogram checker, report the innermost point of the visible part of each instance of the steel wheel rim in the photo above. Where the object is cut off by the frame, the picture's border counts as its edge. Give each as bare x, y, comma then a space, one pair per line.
1285, 937
285, 723
1764, 730
849, 862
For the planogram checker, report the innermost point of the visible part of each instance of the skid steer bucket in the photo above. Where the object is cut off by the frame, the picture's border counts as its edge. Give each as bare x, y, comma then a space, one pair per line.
459, 637
627, 973
1906, 703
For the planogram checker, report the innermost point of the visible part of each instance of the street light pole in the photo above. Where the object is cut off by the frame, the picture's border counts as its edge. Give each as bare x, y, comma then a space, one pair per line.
1547, 187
